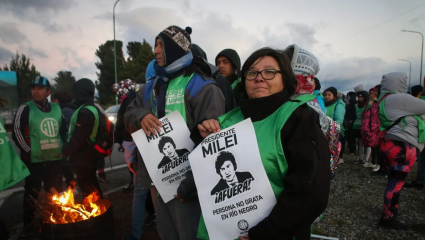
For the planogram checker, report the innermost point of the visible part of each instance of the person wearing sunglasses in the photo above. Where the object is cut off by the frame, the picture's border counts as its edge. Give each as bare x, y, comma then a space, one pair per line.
293, 149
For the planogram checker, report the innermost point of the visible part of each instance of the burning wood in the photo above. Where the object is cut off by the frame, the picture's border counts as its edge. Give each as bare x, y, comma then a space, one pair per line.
61, 208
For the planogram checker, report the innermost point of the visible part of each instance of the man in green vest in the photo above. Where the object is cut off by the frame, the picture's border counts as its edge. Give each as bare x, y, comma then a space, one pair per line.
39, 130
183, 83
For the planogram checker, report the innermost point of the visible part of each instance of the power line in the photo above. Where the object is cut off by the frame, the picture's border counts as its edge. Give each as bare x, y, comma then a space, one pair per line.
379, 24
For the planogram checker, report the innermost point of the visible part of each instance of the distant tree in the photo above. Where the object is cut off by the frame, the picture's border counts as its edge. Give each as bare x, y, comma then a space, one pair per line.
106, 77
25, 72
136, 65
64, 81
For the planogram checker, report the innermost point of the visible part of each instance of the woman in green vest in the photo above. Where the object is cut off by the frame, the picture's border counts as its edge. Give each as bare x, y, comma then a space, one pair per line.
293, 149
335, 109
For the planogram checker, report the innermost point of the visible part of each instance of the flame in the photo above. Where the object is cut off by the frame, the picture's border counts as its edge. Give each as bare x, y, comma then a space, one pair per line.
67, 211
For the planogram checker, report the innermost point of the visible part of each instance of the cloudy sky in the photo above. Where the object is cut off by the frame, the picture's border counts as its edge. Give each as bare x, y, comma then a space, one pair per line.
342, 34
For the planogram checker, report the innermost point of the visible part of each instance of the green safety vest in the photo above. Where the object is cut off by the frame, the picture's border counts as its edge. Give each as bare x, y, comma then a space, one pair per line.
174, 96
358, 122
385, 122
46, 142
12, 169
74, 121
330, 113
236, 83
269, 143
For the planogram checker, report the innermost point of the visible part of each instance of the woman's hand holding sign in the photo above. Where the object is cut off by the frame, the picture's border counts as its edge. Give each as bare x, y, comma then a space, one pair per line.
208, 126
149, 122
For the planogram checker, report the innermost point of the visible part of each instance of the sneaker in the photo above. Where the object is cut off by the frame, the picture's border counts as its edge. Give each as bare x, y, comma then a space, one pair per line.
150, 219
392, 222
341, 161
102, 177
129, 188
376, 168
414, 184
368, 164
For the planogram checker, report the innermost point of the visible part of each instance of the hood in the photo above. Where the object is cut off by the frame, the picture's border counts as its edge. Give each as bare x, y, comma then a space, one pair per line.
197, 51
83, 91
394, 82
233, 57
303, 61
351, 96
366, 98
358, 88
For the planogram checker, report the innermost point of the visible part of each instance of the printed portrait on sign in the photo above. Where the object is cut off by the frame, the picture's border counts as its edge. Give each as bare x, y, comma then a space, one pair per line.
167, 147
226, 167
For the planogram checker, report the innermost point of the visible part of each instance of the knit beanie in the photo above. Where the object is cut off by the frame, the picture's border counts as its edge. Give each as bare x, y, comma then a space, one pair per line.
303, 62
416, 90
332, 90
176, 42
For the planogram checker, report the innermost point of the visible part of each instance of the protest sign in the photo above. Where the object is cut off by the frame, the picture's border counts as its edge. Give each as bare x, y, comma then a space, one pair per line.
233, 187
166, 154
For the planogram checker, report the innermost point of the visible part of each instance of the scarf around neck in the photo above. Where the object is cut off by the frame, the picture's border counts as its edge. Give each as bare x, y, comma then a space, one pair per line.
331, 101
163, 76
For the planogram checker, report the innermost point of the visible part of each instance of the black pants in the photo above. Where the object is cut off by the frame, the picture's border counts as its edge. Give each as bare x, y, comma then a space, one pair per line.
131, 176
342, 139
48, 173
375, 152
67, 172
351, 140
87, 180
149, 205
4, 233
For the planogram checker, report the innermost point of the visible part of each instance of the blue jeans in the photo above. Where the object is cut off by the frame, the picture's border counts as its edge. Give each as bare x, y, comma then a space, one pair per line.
139, 202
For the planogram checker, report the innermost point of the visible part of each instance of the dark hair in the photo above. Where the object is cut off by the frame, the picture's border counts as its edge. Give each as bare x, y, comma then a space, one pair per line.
222, 158
282, 59
163, 141
62, 97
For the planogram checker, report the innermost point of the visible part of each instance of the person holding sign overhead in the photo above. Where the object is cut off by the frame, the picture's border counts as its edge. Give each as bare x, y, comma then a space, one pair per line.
293, 149
183, 83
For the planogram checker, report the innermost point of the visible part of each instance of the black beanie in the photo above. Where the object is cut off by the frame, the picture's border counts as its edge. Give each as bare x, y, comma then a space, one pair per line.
332, 90
416, 90
317, 83
176, 42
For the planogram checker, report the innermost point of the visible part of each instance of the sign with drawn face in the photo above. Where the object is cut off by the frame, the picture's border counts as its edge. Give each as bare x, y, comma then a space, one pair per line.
233, 187
166, 154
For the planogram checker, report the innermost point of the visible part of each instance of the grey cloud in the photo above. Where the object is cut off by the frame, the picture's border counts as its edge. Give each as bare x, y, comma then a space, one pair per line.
349, 72
5, 55
35, 52
10, 33
19, 7
302, 34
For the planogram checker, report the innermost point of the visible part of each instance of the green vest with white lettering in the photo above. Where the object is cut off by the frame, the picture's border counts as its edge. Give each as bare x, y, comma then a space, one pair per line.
174, 98
13, 170
269, 143
46, 142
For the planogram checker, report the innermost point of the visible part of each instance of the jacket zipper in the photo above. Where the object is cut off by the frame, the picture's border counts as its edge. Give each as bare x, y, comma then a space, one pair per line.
315, 151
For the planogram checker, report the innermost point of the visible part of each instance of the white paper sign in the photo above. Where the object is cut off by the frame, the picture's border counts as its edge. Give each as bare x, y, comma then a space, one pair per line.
233, 187
166, 154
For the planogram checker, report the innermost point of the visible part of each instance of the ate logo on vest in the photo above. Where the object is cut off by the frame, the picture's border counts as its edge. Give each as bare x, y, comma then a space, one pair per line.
49, 127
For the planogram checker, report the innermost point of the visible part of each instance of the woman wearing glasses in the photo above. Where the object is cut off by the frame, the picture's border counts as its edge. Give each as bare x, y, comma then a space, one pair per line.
293, 149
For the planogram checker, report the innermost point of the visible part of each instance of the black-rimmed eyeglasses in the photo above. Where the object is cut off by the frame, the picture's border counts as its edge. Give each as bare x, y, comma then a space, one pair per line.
267, 74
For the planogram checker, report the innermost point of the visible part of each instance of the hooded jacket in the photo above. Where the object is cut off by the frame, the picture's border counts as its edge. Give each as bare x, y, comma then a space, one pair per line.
350, 109
233, 57
399, 105
79, 150
222, 83
67, 110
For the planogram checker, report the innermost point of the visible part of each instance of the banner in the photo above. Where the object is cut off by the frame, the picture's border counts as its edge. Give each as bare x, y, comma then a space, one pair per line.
166, 154
233, 187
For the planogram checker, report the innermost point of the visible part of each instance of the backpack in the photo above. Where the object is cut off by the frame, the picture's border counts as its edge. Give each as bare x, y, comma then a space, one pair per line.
331, 130
372, 136
332, 135
104, 141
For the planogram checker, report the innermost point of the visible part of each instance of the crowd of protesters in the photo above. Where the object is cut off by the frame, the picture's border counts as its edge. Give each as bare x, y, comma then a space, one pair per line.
275, 87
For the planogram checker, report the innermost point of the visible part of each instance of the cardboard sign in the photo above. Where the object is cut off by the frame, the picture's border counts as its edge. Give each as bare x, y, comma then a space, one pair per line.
166, 154
233, 187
